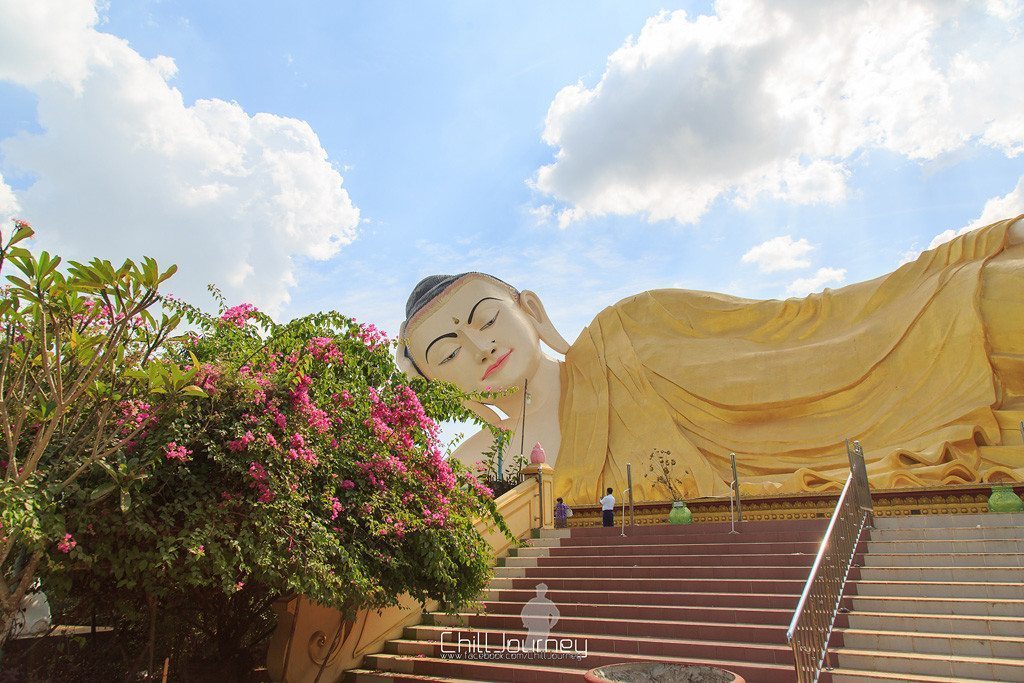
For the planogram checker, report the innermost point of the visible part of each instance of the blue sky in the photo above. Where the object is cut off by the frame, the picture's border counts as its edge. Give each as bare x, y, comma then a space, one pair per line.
440, 116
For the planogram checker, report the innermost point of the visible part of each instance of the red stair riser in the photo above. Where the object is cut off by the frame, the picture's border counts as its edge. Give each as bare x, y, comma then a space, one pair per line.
663, 572
660, 613
790, 560
676, 585
745, 528
684, 599
673, 539
784, 548
768, 634
606, 646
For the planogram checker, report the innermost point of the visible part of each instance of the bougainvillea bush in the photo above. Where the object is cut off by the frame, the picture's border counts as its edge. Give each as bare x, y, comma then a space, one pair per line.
297, 460
311, 468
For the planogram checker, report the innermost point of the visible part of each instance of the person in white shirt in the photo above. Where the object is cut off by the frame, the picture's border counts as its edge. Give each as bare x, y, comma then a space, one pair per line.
608, 509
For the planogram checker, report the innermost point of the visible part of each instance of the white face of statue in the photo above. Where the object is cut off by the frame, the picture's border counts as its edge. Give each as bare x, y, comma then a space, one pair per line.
476, 336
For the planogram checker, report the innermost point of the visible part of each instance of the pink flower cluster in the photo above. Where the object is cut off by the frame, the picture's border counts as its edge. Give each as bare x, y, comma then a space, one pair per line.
67, 544
396, 422
324, 349
132, 414
372, 337
300, 451
259, 482
207, 377
241, 443
378, 469
172, 451
239, 315
317, 419
481, 490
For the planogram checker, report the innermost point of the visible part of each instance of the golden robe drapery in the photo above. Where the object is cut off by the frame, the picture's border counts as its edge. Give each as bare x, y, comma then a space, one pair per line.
912, 364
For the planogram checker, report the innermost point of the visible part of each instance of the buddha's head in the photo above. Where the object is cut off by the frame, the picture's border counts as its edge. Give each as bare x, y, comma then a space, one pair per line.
475, 331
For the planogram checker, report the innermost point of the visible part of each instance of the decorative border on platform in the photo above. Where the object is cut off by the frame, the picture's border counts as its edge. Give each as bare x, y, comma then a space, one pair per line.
963, 499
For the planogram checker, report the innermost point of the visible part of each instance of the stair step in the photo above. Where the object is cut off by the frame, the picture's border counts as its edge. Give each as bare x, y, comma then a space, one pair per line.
980, 668
949, 644
688, 539
448, 669
948, 535
935, 623
713, 615
935, 547
786, 548
711, 585
649, 598
744, 529
774, 560
435, 640
501, 671
911, 559
940, 589
939, 606
949, 574
664, 571
633, 627
988, 519
840, 675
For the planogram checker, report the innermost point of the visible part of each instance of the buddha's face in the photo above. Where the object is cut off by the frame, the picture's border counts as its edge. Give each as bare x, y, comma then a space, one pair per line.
476, 336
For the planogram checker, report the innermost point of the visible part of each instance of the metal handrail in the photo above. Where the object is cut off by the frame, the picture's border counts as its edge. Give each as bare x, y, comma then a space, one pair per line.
811, 628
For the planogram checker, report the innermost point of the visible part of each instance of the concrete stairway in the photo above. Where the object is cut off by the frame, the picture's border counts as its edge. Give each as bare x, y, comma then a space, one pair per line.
932, 599
693, 594
936, 598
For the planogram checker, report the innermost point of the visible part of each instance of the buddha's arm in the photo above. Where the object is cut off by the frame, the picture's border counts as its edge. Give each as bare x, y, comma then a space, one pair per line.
472, 449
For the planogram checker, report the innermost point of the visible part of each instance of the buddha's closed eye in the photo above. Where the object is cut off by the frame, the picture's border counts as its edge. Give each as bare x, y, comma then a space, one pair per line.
451, 356
490, 322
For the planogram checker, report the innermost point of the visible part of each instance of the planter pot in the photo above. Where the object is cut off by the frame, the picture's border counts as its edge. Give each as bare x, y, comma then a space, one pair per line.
654, 672
1003, 499
680, 514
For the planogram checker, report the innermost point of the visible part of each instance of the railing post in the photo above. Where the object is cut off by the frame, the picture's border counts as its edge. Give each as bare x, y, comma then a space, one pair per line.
859, 470
545, 490
629, 483
736, 488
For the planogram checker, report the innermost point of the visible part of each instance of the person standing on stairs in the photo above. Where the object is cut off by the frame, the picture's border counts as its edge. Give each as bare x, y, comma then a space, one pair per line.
562, 514
608, 509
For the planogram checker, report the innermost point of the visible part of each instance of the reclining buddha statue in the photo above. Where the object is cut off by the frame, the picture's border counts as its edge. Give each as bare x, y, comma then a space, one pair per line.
924, 366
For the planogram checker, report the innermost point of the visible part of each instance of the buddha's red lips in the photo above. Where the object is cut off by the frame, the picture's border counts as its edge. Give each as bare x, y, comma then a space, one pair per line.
496, 365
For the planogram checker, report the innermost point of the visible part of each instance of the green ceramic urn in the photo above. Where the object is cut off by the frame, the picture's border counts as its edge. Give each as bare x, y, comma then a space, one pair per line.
680, 514
1003, 499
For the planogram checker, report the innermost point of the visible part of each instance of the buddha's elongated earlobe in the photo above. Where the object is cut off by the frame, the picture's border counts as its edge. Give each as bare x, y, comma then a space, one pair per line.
531, 305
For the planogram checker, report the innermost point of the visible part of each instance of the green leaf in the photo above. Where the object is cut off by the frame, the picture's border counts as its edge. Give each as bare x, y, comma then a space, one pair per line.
102, 490
126, 501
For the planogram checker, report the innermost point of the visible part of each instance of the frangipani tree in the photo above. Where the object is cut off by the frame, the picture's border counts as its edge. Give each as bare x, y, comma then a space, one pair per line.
81, 376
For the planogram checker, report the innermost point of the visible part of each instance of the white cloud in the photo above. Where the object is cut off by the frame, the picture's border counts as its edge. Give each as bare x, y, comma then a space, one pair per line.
124, 167
817, 282
780, 253
9, 207
775, 98
1008, 205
